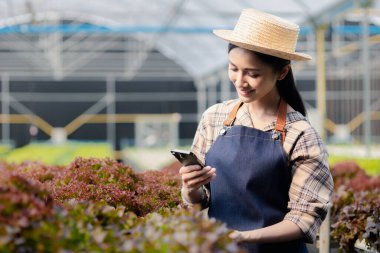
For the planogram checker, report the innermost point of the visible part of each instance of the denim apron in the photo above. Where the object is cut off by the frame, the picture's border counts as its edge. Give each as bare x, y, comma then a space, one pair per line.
251, 186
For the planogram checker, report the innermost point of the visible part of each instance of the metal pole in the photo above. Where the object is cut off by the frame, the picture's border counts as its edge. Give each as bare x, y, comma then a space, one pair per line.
5, 129
212, 90
366, 83
324, 234
111, 110
174, 132
225, 86
321, 78
201, 97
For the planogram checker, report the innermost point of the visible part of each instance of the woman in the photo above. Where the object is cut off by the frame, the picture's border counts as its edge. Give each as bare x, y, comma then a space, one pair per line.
266, 171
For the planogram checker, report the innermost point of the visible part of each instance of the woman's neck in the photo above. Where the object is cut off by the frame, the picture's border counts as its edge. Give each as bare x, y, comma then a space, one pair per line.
264, 108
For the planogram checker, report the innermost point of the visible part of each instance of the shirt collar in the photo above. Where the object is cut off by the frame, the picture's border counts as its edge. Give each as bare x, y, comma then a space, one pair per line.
243, 117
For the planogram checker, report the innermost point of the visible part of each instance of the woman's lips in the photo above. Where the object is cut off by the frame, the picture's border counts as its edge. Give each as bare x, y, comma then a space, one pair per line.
246, 93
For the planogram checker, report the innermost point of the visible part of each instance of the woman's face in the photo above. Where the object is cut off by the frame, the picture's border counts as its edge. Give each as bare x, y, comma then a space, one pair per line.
253, 79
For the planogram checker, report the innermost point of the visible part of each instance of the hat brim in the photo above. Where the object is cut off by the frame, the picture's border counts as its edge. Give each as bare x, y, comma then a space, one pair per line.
228, 36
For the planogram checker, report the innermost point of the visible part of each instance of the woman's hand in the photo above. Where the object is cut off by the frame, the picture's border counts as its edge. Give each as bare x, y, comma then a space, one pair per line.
193, 177
237, 236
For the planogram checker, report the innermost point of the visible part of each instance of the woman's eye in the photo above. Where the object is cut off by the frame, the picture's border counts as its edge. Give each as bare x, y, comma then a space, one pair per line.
254, 75
233, 69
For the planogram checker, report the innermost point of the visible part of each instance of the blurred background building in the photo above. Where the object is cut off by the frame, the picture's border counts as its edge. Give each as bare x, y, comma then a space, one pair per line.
140, 73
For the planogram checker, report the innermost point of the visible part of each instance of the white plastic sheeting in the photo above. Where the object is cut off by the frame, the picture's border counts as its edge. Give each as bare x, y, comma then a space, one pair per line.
196, 49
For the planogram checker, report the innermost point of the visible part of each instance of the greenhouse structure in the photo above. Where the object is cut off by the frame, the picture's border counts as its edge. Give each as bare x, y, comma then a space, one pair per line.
141, 72
94, 94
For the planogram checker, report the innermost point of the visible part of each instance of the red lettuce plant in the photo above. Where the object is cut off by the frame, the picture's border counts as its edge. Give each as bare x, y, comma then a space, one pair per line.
31, 221
108, 181
27, 223
356, 207
344, 172
159, 190
97, 180
180, 230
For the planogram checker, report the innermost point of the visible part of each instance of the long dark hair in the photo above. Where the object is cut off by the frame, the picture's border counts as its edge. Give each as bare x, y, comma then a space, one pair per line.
287, 86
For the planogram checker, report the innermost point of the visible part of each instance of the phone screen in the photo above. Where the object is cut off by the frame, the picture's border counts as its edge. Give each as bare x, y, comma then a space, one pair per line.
186, 158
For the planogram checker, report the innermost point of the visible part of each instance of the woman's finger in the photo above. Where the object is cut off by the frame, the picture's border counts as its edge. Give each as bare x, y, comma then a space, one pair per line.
196, 174
201, 183
190, 168
195, 182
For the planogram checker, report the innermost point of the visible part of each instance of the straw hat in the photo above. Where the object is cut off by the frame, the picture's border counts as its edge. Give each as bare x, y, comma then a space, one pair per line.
265, 33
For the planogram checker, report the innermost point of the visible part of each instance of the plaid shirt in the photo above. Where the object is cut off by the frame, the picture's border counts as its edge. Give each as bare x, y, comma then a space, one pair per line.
312, 184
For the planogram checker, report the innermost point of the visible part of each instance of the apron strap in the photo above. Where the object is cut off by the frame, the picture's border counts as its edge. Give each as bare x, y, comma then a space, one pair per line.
280, 122
232, 116
281, 119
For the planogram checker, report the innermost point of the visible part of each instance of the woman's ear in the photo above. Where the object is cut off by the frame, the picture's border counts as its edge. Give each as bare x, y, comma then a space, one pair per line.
284, 72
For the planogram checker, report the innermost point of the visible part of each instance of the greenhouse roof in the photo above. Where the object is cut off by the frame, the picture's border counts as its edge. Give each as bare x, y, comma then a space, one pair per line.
179, 29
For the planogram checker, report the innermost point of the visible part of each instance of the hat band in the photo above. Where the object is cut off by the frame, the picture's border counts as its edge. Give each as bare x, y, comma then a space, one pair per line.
261, 32
260, 43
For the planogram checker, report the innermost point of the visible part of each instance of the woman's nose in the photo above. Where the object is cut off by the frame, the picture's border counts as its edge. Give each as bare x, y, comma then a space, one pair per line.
239, 81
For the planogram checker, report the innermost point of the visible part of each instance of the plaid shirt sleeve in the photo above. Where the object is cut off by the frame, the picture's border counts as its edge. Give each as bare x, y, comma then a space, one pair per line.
200, 140
312, 184
208, 129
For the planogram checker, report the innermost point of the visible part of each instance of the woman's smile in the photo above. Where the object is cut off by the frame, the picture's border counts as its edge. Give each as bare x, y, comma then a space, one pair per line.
253, 79
246, 92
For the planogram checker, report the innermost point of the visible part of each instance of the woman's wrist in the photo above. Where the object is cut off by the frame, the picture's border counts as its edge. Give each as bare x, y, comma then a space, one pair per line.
193, 196
283, 231
250, 236
245, 236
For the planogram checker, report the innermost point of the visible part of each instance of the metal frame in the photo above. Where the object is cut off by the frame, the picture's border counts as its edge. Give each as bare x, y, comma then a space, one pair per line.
133, 56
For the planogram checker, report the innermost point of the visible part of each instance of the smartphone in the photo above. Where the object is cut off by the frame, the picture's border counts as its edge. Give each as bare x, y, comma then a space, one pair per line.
186, 158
